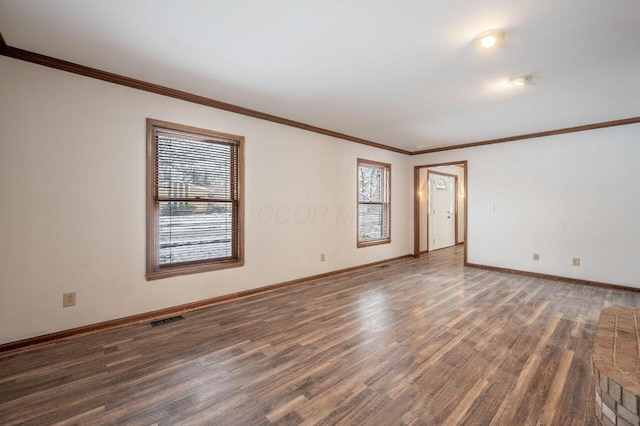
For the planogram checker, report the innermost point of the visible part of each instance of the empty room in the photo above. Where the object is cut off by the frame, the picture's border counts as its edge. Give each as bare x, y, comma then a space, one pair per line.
319, 212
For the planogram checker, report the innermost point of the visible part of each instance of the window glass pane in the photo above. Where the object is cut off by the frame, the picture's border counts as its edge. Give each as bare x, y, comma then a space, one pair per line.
371, 184
192, 168
195, 231
371, 222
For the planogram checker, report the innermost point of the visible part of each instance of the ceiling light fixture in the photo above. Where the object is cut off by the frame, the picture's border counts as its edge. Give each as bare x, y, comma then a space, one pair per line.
522, 80
490, 38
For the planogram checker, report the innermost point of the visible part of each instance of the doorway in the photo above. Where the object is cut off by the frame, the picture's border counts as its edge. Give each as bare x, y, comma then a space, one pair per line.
440, 206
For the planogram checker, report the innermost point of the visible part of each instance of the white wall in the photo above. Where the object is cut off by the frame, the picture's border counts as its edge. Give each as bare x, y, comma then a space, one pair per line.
72, 188
564, 196
72, 194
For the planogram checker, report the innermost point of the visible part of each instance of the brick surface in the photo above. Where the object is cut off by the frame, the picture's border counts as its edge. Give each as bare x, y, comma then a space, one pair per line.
608, 401
598, 397
608, 413
615, 390
615, 366
628, 416
606, 422
604, 383
630, 401
623, 422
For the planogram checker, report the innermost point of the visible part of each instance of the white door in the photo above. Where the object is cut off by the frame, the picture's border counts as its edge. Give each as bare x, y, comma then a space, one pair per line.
442, 215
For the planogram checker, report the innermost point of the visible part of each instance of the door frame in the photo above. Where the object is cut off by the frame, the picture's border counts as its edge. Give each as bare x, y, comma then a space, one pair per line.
455, 206
416, 205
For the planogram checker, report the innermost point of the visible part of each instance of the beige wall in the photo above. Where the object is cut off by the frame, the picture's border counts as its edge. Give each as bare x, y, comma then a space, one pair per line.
563, 196
72, 185
72, 188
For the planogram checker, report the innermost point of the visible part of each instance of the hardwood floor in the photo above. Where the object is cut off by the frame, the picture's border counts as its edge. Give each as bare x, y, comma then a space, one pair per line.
421, 342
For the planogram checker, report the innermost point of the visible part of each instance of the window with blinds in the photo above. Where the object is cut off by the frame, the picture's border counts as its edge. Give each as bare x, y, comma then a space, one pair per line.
374, 195
194, 200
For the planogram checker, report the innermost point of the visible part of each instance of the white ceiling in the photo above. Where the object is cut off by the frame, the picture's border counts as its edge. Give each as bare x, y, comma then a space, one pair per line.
402, 73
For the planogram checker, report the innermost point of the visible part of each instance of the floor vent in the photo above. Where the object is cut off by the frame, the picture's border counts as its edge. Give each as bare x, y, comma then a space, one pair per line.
166, 320
383, 266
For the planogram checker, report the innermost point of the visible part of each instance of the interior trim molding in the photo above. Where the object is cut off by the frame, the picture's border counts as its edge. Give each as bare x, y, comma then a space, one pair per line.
74, 68
592, 126
176, 310
553, 277
48, 61
416, 206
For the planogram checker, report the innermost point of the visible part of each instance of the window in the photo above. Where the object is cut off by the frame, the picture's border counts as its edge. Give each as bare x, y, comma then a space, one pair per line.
374, 182
194, 200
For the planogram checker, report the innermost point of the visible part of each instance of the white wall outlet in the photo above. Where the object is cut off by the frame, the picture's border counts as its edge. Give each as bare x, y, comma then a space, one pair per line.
68, 299
322, 258
576, 261
536, 256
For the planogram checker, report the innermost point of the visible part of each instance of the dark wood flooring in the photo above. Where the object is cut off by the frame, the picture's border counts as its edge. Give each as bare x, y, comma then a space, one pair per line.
414, 342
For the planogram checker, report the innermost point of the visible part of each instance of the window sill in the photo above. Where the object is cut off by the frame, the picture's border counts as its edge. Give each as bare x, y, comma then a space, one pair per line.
192, 269
373, 243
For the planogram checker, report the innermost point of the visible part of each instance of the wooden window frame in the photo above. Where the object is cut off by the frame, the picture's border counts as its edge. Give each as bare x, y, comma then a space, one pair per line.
153, 268
386, 203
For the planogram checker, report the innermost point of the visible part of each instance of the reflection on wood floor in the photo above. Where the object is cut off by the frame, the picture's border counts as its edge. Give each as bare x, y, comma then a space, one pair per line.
423, 341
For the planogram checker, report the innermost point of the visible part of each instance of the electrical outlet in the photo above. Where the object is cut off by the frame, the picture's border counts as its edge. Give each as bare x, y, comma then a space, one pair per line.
68, 299
536, 256
576, 261
322, 258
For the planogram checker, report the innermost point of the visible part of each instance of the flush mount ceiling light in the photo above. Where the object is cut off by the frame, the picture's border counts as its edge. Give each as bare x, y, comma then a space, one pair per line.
489, 38
522, 80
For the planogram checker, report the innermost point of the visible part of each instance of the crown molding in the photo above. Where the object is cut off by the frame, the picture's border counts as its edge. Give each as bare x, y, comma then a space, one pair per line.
47, 61
593, 126
74, 68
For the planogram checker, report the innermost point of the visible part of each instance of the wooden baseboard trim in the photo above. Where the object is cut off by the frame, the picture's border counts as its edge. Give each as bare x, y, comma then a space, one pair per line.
553, 277
176, 310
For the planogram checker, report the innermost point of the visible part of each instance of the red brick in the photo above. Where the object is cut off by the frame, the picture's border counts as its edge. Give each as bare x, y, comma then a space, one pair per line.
628, 416
604, 383
630, 401
608, 401
608, 412
615, 391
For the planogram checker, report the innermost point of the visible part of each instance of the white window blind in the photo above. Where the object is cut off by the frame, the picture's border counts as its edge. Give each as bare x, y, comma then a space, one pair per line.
196, 198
